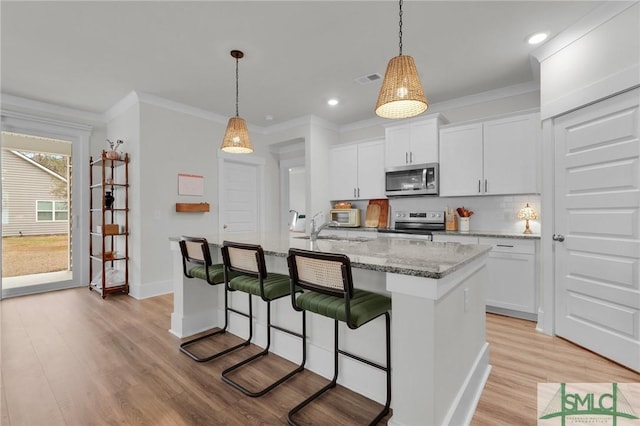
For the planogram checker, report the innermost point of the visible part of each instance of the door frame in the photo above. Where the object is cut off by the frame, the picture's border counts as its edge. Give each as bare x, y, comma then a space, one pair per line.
249, 160
79, 136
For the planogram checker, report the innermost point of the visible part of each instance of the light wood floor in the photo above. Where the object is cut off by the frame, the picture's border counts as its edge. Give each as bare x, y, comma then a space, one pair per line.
71, 358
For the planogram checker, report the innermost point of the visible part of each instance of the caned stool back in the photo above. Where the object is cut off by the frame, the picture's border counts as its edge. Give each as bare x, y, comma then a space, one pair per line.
324, 272
244, 258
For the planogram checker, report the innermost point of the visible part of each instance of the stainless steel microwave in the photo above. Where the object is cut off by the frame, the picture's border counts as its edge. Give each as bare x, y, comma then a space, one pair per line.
415, 179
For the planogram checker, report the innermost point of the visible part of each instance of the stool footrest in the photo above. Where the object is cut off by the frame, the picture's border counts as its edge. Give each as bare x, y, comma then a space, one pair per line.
183, 347
261, 392
365, 361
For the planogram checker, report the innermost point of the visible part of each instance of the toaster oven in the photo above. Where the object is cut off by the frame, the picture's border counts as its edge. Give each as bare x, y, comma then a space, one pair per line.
348, 218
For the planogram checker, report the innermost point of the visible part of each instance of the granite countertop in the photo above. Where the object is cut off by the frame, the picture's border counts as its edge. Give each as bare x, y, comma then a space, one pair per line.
404, 256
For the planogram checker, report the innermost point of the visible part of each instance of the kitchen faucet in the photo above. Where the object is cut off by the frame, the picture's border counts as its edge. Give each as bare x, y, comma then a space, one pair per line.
316, 230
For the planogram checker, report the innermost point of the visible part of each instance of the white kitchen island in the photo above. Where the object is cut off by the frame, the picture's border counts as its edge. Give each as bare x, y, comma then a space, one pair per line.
439, 353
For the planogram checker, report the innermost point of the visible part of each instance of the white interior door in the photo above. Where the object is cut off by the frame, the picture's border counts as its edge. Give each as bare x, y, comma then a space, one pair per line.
239, 207
597, 179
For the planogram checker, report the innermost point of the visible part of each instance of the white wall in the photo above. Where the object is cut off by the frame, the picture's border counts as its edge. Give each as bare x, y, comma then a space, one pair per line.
126, 126
297, 191
602, 62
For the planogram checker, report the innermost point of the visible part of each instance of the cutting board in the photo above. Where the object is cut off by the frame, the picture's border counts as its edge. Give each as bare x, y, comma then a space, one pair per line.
383, 221
373, 216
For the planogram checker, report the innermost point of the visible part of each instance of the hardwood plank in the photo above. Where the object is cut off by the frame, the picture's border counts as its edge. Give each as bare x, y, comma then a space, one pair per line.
71, 358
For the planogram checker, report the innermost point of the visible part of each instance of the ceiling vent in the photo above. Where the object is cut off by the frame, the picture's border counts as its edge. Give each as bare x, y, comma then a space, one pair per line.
366, 79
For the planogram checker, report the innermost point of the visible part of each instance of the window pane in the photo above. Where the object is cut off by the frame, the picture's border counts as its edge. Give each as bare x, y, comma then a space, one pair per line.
45, 216
61, 205
45, 205
61, 216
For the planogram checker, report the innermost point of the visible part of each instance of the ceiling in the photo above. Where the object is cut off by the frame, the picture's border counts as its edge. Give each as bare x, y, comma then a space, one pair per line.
88, 55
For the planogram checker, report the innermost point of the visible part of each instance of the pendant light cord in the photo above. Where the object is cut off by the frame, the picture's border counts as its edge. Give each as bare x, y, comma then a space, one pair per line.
400, 32
237, 114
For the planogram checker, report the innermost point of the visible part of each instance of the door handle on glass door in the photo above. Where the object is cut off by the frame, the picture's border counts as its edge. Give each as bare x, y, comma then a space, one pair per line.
558, 237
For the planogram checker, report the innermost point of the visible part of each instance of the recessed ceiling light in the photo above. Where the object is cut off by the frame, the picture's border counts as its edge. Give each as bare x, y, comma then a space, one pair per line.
537, 38
333, 102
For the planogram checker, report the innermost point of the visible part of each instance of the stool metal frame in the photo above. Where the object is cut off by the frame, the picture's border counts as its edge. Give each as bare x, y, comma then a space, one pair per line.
195, 251
330, 274
248, 259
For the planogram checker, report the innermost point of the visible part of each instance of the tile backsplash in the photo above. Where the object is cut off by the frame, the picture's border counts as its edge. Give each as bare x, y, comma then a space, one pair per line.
491, 212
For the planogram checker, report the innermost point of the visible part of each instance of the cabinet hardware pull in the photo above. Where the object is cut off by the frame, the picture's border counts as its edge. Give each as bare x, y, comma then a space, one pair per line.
406, 158
478, 185
485, 185
358, 192
503, 245
354, 193
411, 157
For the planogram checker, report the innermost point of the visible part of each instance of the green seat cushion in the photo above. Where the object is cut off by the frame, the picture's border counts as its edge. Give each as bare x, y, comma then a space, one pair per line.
216, 273
275, 285
365, 305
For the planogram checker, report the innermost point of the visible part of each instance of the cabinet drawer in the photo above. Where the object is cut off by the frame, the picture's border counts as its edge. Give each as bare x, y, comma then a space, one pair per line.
510, 245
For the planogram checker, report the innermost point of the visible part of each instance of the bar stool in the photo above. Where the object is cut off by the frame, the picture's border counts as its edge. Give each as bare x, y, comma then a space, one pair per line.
196, 263
247, 260
328, 290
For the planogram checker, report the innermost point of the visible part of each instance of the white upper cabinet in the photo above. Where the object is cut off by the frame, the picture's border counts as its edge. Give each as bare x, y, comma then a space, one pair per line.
492, 157
461, 160
412, 143
357, 171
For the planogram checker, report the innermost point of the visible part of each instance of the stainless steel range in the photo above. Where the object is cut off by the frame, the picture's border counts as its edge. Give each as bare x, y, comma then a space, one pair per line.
417, 223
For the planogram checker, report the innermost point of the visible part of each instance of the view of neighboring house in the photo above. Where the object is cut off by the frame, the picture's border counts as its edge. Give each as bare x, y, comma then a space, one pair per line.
31, 200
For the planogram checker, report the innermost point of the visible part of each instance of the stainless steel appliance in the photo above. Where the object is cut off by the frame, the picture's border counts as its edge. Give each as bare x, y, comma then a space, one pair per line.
348, 218
417, 223
415, 179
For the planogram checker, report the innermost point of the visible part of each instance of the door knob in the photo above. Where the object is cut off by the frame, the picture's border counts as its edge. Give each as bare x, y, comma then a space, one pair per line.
224, 226
558, 237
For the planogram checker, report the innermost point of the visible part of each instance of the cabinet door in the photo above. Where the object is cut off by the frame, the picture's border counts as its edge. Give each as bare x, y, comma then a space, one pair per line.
461, 160
371, 170
343, 172
511, 275
397, 146
511, 147
424, 142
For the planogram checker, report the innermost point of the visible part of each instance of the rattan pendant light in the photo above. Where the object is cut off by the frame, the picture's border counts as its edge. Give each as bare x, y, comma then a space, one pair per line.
401, 95
236, 138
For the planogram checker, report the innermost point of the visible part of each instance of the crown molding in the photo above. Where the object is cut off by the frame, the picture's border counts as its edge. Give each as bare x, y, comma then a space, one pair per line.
594, 19
483, 97
29, 117
18, 105
150, 99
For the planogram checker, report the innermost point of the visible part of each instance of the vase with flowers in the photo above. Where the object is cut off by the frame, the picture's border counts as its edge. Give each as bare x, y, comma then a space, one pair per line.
113, 154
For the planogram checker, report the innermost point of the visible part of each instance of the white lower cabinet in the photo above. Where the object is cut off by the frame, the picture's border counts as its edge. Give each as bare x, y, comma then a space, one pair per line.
511, 288
512, 275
